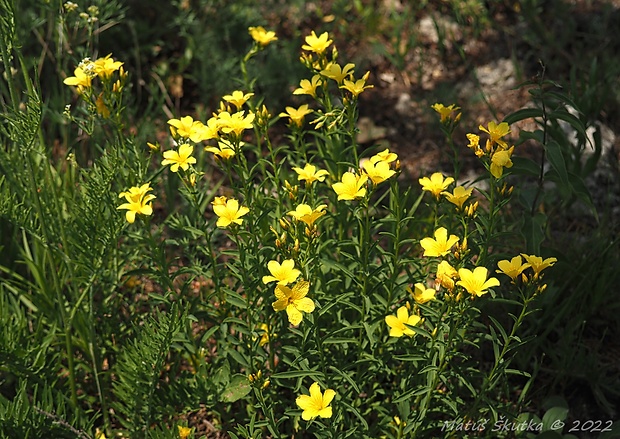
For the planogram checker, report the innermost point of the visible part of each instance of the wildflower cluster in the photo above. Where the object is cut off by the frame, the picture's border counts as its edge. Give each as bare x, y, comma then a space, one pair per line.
496, 152
100, 84
316, 231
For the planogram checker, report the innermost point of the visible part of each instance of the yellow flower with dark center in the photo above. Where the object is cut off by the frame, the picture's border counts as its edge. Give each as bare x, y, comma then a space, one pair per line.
294, 301
445, 113
262, 36
81, 80
104, 67
284, 274
500, 160
384, 156
378, 172
435, 184
439, 246
316, 44
512, 268
421, 294
138, 201
476, 282
307, 214
223, 150
308, 87
235, 123
316, 404
297, 115
181, 159
337, 73
496, 132
358, 86
398, 322
446, 275
229, 213
238, 98
538, 264
351, 186
458, 196
310, 173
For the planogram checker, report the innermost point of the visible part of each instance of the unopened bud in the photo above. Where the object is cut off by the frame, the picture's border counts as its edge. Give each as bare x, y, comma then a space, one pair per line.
266, 384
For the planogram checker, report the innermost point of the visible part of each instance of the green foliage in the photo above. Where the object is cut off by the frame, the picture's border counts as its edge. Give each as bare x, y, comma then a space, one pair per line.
133, 314
139, 368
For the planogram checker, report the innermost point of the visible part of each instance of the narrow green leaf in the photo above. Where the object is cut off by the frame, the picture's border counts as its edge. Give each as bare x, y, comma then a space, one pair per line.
525, 113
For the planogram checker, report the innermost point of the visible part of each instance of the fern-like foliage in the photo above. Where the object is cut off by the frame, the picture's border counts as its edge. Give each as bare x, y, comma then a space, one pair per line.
43, 415
138, 370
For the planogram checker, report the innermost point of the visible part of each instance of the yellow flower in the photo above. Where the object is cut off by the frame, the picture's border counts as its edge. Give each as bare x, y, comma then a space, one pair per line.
297, 115
378, 172
476, 282
421, 294
397, 322
238, 98
500, 160
306, 214
235, 123
384, 156
101, 107
283, 274
436, 184
188, 128
264, 338
538, 264
496, 132
229, 213
219, 201
316, 404
211, 130
351, 186
439, 246
98, 433
262, 36
446, 275
223, 150
181, 159
104, 67
444, 112
294, 301
317, 44
474, 144
81, 80
184, 432
137, 201
310, 173
308, 87
458, 196
358, 86
337, 73
512, 268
